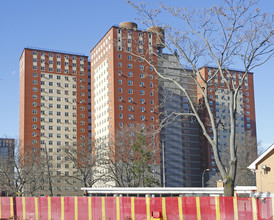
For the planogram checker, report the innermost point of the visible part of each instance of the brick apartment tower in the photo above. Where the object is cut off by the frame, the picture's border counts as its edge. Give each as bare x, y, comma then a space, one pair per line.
54, 108
218, 100
124, 88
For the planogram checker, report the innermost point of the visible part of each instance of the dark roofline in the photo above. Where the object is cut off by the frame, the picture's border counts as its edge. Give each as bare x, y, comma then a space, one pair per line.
214, 67
115, 26
51, 50
7, 139
205, 66
103, 37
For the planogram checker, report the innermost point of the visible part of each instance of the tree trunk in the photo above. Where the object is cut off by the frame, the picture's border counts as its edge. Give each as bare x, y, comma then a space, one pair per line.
228, 186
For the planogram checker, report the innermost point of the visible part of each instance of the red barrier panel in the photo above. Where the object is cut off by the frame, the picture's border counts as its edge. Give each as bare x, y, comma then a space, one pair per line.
226, 208
68, 208
6, 211
172, 207
189, 208
55, 206
43, 204
156, 205
83, 207
96, 207
265, 210
139, 207
45, 208
110, 208
125, 207
245, 208
207, 207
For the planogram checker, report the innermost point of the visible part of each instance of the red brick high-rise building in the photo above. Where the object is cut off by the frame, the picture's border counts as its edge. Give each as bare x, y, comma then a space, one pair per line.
124, 87
54, 107
219, 102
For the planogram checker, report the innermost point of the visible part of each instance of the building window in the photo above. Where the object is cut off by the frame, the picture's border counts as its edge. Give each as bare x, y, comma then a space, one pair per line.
130, 91
141, 67
142, 92
142, 101
130, 108
119, 64
130, 82
130, 74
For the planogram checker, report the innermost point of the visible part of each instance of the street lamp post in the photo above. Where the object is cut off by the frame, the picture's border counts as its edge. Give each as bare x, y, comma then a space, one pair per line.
203, 177
163, 158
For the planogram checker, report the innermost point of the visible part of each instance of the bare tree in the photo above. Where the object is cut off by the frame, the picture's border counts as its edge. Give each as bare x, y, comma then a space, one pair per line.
236, 33
83, 159
131, 160
246, 154
19, 177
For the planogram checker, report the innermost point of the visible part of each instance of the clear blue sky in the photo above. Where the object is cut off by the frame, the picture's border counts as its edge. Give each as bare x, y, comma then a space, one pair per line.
76, 26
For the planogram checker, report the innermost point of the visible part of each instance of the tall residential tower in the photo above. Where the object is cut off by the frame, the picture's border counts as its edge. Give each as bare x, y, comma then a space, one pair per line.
54, 110
124, 87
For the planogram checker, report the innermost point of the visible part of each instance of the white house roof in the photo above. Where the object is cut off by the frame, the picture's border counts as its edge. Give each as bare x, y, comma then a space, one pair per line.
266, 152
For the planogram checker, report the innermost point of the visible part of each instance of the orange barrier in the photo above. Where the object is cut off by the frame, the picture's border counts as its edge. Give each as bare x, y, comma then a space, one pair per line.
134, 208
